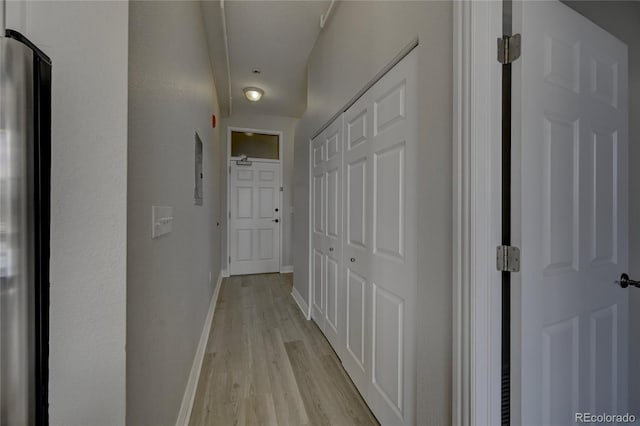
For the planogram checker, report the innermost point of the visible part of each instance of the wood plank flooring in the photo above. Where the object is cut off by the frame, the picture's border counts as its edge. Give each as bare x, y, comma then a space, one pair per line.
267, 365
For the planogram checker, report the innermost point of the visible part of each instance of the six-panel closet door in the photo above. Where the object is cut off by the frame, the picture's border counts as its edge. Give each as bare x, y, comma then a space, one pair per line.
364, 248
393, 262
328, 285
380, 243
358, 174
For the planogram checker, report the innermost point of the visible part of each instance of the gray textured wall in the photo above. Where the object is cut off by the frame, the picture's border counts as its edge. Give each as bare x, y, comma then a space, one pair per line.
171, 96
359, 40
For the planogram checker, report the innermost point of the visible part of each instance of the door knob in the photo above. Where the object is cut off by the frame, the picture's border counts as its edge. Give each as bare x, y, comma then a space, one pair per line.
330, 248
353, 259
625, 281
275, 220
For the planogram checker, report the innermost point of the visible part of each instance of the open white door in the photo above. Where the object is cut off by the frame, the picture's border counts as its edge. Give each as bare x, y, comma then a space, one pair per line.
254, 218
570, 88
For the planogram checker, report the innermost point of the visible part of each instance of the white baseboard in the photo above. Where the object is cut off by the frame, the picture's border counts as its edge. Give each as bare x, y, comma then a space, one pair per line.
192, 385
286, 269
224, 273
301, 303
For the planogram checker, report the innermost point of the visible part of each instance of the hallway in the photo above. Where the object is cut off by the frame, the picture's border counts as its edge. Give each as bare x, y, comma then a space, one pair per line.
349, 154
153, 107
266, 364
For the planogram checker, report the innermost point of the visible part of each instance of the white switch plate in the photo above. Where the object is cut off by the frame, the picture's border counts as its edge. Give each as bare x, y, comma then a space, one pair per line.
161, 220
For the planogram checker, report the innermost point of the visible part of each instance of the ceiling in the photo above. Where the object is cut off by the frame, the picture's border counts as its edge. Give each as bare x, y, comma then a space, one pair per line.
273, 36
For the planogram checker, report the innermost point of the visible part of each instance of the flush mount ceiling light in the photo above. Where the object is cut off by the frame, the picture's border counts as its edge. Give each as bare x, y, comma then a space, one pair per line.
253, 94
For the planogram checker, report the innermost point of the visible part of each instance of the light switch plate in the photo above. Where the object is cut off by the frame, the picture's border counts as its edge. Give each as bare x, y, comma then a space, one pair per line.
161, 220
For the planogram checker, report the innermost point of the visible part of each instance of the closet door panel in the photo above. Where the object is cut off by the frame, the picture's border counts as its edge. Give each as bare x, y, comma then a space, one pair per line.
389, 201
333, 292
388, 347
356, 175
334, 282
364, 256
318, 204
393, 260
357, 242
334, 213
356, 302
318, 288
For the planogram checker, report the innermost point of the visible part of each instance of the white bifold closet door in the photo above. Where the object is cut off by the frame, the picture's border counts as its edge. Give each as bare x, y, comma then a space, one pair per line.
377, 283
328, 286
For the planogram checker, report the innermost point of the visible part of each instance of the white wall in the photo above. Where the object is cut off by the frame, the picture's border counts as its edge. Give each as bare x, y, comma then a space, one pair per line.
359, 40
87, 43
622, 19
171, 96
287, 126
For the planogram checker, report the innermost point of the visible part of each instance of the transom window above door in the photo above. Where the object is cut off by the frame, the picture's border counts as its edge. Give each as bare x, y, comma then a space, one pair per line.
255, 145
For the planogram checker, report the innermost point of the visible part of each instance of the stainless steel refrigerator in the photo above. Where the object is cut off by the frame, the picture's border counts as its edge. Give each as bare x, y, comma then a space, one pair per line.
25, 152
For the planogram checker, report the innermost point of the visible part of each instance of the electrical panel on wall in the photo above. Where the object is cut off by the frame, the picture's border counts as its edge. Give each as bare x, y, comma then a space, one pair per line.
161, 220
198, 192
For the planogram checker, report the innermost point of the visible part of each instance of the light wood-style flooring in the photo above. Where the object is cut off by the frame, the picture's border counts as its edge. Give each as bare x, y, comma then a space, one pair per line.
267, 365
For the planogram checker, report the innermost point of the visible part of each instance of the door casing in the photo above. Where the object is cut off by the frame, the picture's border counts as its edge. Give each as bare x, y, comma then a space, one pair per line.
477, 134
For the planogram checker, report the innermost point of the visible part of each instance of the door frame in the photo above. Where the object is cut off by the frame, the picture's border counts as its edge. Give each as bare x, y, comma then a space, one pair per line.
476, 215
231, 159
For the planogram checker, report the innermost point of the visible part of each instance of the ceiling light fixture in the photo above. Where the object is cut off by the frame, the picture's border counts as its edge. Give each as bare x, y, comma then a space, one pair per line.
253, 94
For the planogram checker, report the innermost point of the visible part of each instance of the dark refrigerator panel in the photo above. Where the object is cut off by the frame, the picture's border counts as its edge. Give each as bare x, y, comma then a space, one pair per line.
25, 144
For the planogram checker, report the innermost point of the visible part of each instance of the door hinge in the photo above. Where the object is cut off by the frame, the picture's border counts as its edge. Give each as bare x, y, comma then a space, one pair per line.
508, 259
229, 214
281, 188
229, 259
229, 169
509, 48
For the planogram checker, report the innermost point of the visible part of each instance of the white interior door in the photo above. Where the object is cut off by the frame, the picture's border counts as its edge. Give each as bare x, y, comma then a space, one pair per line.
363, 277
380, 249
393, 261
572, 86
254, 224
332, 244
326, 256
358, 174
